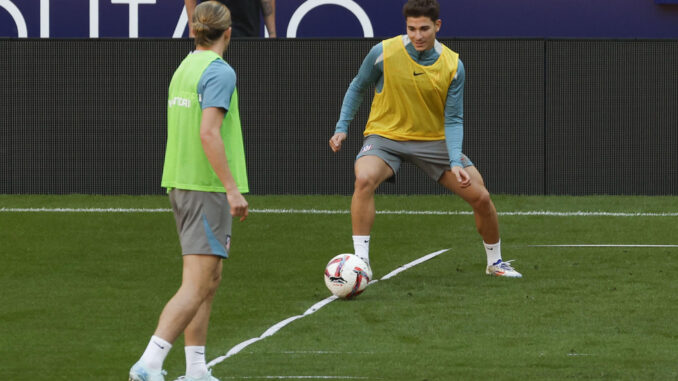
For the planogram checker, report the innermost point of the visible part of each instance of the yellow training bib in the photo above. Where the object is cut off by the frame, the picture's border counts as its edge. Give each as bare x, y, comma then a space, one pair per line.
411, 106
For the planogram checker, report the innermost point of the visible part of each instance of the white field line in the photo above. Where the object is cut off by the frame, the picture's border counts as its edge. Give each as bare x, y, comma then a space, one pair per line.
321, 352
338, 211
297, 378
83, 210
276, 327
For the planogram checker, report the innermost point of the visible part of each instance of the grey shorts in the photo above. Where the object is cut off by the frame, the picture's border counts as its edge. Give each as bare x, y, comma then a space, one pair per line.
431, 156
203, 222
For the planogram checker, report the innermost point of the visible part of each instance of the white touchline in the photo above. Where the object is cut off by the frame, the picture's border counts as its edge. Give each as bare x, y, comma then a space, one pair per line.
339, 211
85, 210
276, 327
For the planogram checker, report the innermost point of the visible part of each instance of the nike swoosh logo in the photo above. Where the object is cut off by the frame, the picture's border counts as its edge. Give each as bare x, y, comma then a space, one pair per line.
200, 353
416, 74
161, 347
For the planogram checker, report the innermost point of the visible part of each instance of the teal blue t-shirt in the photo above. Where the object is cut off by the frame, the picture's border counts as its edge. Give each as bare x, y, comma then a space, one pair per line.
216, 85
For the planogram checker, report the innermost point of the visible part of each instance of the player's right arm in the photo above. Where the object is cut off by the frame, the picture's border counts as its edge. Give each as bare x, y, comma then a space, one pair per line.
216, 87
213, 145
190, 7
370, 73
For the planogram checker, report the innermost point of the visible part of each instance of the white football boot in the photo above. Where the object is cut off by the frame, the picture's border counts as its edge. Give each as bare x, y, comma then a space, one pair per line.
503, 269
140, 373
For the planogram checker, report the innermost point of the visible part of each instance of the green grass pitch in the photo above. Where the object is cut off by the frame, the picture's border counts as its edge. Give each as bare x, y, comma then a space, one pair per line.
81, 292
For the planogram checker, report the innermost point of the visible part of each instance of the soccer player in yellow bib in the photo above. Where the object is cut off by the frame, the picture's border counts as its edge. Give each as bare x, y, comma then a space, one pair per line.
417, 116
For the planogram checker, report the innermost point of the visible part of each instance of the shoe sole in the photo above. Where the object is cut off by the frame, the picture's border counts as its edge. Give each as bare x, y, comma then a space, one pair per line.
502, 275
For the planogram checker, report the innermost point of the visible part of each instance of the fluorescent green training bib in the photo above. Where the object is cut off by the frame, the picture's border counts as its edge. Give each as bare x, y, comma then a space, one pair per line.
186, 166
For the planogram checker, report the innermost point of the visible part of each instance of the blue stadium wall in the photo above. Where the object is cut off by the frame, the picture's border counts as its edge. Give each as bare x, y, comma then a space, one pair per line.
554, 116
352, 18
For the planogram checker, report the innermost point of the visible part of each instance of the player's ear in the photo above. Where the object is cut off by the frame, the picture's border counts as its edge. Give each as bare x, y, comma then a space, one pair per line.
227, 34
438, 23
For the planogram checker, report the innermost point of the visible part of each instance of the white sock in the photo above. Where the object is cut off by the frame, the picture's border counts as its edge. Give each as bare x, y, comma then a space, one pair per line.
493, 252
155, 353
195, 362
361, 245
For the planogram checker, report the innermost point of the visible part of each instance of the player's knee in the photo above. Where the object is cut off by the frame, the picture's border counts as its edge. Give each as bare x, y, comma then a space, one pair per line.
483, 202
365, 184
216, 281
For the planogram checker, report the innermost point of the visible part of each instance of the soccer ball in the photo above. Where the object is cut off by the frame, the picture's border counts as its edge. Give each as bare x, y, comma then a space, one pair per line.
346, 276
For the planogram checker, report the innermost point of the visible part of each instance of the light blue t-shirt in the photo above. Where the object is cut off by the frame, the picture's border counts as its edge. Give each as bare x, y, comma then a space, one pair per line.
216, 85
372, 73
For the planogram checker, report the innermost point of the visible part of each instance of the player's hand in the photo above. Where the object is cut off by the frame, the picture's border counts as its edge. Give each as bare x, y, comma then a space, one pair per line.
336, 140
239, 206
462, 176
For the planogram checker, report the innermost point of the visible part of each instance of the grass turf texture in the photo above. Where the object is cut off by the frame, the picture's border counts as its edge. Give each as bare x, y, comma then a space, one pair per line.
81, 292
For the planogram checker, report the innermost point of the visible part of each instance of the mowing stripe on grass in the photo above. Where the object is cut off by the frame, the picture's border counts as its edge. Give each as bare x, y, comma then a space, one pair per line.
337, 211
276, 327
602, 245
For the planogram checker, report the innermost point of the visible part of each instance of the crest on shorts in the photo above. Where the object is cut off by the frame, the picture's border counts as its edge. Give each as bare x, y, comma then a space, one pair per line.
366, 148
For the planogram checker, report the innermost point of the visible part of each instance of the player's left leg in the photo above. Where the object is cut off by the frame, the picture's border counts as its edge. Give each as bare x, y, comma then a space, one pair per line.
487, 222
195, 335
478, 197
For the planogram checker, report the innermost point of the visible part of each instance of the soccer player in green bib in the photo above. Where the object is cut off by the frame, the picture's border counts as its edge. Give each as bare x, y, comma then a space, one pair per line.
205, 176
417, 116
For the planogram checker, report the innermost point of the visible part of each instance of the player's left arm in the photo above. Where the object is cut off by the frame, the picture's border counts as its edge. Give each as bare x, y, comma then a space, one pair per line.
454, 124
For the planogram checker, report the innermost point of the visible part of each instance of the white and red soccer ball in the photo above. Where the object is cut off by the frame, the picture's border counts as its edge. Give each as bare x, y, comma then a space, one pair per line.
346, 276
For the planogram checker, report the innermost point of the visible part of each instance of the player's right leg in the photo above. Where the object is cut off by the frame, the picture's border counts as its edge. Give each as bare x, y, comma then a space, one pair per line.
370, 172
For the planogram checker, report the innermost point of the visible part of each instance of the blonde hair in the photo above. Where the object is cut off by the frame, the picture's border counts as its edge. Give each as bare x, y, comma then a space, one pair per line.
210, 20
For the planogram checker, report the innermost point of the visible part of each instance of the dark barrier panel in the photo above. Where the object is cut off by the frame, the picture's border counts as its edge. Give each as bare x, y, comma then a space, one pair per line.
88, 116
504, 112
612, 117
554, 117
85, 116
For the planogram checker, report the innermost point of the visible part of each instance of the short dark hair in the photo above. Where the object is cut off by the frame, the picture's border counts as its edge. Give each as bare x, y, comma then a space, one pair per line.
419, 8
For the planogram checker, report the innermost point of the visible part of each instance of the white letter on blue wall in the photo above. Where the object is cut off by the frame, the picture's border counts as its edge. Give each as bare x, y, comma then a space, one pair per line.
133, 14
19, 20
